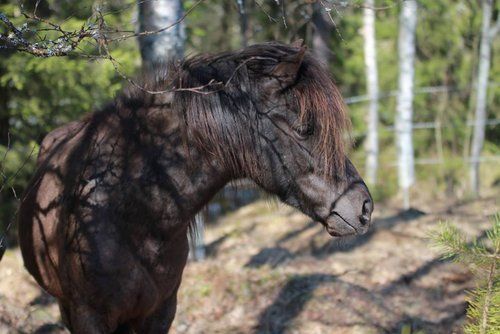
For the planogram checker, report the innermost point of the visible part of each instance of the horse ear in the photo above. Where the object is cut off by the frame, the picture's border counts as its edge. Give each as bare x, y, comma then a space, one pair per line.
285, 72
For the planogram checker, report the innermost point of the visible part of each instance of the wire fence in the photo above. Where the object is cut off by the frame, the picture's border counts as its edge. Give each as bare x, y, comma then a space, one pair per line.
417, 91
429, 125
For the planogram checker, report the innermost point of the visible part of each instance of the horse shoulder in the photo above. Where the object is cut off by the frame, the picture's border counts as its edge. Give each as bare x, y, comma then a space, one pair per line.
58, 137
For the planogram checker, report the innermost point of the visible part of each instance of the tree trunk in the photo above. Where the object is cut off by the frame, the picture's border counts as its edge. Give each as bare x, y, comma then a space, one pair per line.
371, 144
4, 108
243, 22
158, 48
404, 144
4, 120
321, 34
197, 244
487, 35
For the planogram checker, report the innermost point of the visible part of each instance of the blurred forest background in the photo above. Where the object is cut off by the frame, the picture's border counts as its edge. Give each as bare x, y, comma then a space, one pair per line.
68, 58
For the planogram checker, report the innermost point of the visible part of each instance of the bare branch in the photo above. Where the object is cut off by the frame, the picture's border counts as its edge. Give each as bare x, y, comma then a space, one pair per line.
152, 32
272, 19
344, 3
328, 12
18, 38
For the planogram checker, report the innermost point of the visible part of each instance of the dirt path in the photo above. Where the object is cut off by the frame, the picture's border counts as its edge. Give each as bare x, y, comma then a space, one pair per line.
271, 270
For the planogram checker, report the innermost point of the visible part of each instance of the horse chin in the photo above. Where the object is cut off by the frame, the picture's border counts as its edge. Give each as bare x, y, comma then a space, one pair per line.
337, 226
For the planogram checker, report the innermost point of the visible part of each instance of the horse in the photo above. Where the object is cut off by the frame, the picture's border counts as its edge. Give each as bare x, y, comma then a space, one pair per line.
104, 223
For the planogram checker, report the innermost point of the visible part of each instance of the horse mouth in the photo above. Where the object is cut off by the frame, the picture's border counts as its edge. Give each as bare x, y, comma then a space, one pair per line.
337, 226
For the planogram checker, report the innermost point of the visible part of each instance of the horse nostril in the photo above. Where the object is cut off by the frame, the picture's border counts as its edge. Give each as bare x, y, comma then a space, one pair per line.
366, 211
364, 219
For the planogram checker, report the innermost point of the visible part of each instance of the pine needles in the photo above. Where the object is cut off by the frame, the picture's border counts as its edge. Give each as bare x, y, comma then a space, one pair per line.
483, 259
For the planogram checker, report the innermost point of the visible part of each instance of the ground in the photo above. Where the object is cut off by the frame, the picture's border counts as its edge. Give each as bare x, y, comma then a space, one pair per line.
271, 270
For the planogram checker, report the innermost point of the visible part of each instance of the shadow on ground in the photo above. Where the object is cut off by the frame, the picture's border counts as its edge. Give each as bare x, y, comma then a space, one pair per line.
354, 305
278, 255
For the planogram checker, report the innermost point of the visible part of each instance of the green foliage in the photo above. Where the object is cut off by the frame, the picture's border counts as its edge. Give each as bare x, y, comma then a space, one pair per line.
484, 260
38, 95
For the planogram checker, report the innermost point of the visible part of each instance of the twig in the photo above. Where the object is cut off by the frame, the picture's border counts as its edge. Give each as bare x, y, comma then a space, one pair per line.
68, 41
19, 169
152, 32
272, 19
328, 12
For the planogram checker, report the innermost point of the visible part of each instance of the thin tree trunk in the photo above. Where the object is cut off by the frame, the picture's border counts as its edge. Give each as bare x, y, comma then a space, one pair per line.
243, 22
4, 120
471, 100
167, 45
198, 251
321, 34
404, 143
4, 109
222, 40
371, 144
487, 35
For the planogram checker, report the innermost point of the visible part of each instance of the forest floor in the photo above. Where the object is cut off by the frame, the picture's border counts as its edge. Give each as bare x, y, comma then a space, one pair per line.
271, 270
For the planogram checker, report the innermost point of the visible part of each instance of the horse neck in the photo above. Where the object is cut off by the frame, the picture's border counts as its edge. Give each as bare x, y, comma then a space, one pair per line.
198, 181
191, 177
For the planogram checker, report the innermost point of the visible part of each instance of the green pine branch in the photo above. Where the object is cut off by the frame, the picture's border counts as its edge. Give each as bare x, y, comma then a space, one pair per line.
483, 258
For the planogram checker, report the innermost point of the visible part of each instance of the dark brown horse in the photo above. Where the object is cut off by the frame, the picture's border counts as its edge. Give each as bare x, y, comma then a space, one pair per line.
103, 225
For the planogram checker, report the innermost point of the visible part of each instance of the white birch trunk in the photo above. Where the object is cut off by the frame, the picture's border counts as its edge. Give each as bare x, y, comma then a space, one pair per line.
371, 143
168, 44
157, 49
404, 143
487, 35
197, 245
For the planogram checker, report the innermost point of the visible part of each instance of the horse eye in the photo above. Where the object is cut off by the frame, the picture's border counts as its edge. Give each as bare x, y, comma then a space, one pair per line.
304, 130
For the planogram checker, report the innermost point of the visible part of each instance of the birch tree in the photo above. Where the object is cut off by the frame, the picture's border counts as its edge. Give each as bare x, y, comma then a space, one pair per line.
404, 109
162, 28
487, 35
371, 143
162, 38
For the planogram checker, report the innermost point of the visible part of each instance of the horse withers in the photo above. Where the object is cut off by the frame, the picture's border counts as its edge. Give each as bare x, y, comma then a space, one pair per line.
103, 224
